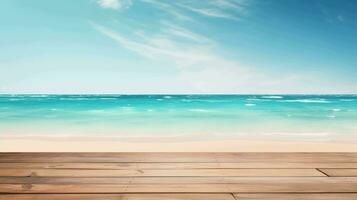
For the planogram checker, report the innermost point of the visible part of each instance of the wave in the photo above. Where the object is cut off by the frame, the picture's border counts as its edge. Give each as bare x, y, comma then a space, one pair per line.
306, 101
76, 99
108, 98
272, 97
205, 100
249, 104
17, 99
39, 96
256, 99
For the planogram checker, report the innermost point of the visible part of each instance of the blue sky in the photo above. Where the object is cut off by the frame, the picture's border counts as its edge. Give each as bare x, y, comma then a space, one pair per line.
183, 46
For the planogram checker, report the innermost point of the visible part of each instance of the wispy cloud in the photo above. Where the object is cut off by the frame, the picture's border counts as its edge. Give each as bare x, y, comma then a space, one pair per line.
193, 54
226, 9
209, 12
172, 10
183, 33
114, 4
227, 4
198, 65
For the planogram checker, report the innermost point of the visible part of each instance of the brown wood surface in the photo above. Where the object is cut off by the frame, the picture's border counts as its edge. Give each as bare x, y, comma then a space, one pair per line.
158, 172
327, 181
118, 197
340, 172
187, 165
178, 176
179, 157
337, 196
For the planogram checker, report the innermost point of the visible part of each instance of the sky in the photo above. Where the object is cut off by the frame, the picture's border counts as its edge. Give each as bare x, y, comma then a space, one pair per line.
178, 47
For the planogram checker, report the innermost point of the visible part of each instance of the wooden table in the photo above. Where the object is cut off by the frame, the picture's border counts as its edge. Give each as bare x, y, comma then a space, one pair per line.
178, 176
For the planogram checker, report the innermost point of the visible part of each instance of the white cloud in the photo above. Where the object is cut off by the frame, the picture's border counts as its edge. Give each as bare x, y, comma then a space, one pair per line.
184, 33
198, 65
209, 12
114, 4
204, 70
226, 4
194, 55
168, 8
214, 8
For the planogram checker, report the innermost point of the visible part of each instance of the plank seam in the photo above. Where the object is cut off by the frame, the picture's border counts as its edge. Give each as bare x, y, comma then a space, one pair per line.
323, 172
234, 196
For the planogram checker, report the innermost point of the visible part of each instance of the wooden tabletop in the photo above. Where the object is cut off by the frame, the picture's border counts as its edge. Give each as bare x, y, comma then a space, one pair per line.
178, 176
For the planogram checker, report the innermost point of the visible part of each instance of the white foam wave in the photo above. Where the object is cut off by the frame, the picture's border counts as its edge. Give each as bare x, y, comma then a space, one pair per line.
256, 99
16, 99
39, 96
272, 97
249, 104
76, 99
205, 100
306, 101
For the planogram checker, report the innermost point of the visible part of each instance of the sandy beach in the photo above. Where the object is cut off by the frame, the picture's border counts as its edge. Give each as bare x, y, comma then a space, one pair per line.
94, 145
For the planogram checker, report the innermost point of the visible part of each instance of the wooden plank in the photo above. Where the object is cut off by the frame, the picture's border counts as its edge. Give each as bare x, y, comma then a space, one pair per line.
107, 157
241, 185
339, 196
177, 180
179, 157
340, 172
175, 165
160, 188
118, 197
159, 173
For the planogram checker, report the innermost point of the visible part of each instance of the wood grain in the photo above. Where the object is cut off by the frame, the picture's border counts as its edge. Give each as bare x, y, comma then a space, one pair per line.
118, 197
340, 172
326, 181
178, 176
158, 173
237, 185
179, 157
163, 165
339, 196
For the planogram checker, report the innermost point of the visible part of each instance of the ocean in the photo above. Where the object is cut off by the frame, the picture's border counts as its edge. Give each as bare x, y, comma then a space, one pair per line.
181, 117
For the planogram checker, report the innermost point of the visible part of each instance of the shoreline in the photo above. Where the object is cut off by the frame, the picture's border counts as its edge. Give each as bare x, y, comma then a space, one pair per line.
233, 145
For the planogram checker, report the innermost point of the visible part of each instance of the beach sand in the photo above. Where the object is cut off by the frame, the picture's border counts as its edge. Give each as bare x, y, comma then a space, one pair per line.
93, 145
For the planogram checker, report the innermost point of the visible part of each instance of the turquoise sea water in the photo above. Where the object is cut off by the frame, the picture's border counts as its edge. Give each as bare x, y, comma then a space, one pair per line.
286, 117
